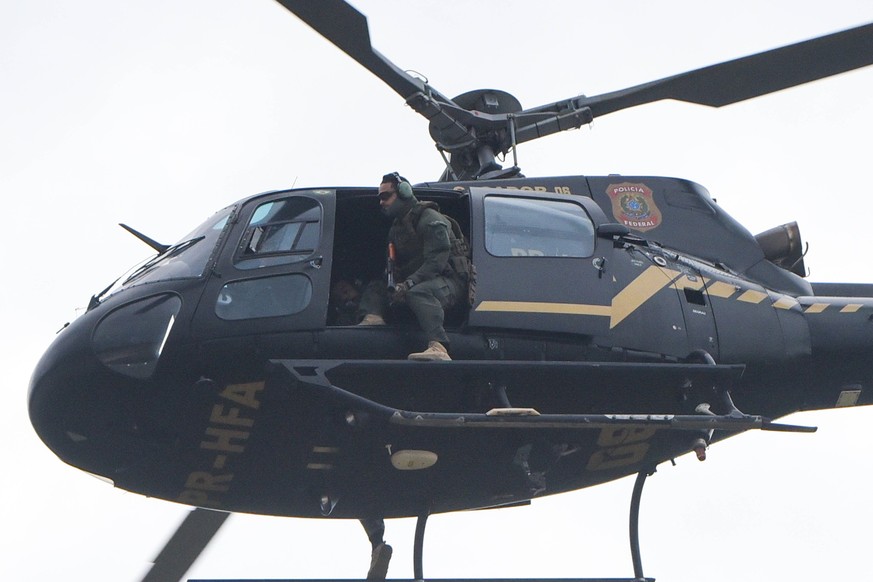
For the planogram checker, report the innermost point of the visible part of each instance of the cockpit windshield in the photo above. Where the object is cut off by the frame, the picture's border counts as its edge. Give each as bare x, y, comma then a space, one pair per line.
186, 259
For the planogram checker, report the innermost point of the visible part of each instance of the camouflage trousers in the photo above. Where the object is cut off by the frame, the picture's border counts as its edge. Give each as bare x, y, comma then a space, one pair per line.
427, 300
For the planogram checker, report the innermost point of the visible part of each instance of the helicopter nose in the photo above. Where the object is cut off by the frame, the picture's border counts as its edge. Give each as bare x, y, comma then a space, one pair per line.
64, 399
87, 392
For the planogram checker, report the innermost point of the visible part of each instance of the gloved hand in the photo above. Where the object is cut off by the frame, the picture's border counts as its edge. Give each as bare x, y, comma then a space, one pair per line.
399, 294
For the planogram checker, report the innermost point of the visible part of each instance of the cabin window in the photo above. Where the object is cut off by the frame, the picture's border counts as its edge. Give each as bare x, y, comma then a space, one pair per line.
281, 232
528, 227
264, 297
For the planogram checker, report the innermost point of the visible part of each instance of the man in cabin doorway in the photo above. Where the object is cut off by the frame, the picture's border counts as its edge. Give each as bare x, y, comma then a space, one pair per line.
429, 259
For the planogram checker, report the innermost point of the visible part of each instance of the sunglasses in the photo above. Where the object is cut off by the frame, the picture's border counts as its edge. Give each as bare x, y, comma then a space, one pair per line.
386, 194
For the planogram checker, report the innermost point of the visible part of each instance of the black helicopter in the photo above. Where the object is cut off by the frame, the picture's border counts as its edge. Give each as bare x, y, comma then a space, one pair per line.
617, 363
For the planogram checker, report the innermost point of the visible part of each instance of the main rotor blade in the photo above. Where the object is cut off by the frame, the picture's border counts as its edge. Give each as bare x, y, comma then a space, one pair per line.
186, 545
748, 77
347, 28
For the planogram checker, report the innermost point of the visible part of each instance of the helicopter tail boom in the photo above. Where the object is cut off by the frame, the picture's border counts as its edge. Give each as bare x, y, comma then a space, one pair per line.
841, 341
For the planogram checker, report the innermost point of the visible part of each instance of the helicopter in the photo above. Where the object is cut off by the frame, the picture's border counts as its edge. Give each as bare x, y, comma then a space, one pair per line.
447, 202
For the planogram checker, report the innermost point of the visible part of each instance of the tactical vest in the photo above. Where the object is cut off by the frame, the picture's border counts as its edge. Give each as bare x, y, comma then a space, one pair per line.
410, 247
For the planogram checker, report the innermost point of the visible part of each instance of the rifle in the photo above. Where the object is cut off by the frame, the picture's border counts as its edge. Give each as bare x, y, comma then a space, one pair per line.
392, 257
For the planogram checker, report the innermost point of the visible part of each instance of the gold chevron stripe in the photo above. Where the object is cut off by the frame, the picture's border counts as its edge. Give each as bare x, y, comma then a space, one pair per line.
637, 292
628, 300
645, 286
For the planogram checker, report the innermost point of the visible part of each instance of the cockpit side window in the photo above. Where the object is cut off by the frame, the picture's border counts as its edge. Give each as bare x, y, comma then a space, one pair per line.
528, 227
281, 232
273, 296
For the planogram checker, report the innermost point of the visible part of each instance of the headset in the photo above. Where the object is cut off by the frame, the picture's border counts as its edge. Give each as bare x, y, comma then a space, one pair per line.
404, 188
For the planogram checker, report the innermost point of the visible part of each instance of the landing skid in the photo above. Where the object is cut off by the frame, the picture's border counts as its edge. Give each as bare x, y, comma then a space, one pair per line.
418, 551
429, 580
633, 530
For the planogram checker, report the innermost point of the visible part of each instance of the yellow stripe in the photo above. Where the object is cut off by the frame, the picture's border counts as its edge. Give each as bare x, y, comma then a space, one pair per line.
851, 308
684, 282
721, 289
669, 272
752, 296
544, 307
636, 293
785, 302
816, 308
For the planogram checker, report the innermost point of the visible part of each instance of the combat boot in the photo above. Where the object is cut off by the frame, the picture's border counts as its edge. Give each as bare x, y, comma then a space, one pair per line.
435, 351
379, 562
372, 319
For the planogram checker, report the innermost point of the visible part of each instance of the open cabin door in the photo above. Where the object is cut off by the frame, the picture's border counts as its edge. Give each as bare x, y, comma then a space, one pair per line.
273, 272
540, 264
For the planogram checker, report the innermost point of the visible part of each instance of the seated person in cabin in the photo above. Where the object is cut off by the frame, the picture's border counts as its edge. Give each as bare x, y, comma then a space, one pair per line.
345, 297
430, 266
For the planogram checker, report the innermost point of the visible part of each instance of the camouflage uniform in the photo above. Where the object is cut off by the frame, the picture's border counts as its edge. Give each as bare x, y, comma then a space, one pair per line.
423, 239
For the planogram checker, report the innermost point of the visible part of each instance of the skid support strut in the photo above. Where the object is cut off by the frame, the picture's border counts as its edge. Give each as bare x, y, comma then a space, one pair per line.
634, 525
418, 550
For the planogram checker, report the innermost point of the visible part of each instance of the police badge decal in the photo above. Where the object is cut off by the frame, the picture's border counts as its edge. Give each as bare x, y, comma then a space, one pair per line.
634, 206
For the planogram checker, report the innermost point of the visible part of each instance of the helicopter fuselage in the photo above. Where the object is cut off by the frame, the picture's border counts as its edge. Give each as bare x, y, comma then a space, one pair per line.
222, 374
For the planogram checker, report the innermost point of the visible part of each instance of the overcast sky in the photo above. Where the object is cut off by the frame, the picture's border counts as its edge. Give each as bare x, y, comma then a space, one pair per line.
158, 113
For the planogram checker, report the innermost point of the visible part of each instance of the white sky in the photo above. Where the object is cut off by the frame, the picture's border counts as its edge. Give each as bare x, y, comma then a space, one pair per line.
158, 113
